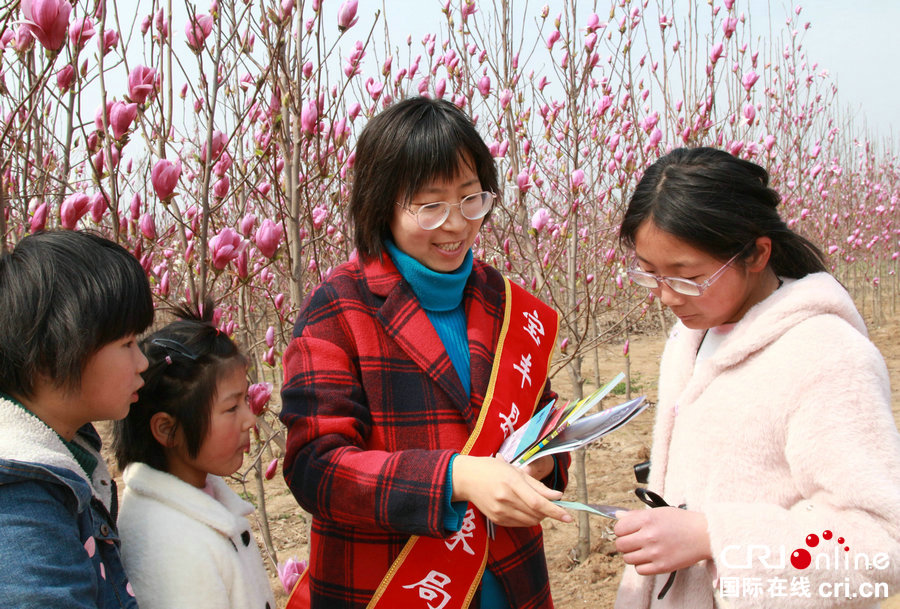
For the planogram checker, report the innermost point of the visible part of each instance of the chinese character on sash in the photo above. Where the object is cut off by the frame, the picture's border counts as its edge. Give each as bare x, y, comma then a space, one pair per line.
524, 368
508, 423
467, 531
534, 326
431, 588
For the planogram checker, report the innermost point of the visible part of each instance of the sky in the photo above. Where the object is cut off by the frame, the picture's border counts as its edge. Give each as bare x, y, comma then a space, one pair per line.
856, 41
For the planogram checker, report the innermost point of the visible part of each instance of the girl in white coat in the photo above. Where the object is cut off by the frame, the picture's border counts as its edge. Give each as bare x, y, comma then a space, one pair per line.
186, 541
774, 429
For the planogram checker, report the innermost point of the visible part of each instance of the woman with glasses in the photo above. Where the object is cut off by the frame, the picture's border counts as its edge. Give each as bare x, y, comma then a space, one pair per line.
386, 390
774, 429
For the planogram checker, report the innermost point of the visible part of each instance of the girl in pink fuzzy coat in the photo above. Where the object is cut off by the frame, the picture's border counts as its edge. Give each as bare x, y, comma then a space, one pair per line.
774, 430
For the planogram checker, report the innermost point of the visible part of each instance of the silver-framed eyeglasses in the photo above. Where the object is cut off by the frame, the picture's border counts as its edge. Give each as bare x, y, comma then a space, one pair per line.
678, 284
432, 215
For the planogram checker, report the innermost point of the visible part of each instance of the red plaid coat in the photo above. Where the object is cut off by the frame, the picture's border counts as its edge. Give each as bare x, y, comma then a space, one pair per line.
374, 411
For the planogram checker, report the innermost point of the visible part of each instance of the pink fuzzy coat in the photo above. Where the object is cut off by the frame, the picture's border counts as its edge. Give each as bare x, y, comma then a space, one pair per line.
785, 432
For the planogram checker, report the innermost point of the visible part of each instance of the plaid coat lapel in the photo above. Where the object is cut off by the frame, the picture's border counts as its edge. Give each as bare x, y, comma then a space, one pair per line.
406, 322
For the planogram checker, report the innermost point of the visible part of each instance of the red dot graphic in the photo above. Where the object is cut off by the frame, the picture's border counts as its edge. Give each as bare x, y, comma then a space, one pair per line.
812, 540
846, 548
840, 540
800, 558
826, 535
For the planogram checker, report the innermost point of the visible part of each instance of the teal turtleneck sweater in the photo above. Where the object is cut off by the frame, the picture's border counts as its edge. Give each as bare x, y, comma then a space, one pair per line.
441, 295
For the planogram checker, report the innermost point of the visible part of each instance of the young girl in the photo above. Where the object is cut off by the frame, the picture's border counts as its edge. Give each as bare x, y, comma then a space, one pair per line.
774, 428
71, 304
391, 421
186, 538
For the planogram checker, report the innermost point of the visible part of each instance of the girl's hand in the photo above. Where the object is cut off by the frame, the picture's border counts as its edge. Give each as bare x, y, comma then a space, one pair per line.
506, 495
662, 540
540, 468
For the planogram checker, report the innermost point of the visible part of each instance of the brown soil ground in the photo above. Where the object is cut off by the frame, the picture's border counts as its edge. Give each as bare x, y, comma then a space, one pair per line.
592, 582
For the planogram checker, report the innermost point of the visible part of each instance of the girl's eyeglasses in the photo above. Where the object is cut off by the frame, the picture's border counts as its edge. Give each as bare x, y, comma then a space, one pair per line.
678, 284
432, 215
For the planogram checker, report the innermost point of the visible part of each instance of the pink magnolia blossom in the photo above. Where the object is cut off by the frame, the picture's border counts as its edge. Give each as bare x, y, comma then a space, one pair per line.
271, 470
289, 573
540, 219
347, 15
258, 395
468, 8
374, 88
268, 238
65, 77
6, 37
309, 117
73, 208
319, 215
39, 219
80, 31
577, 179
102, 162
247, 224
148, 227
108, 41
523, 181
225, 246
164, 176
221, 187
135, 206
142, 83
47, 20
716, 53
729, 24
552, 38
219, 140
161, 24
655, 137
121, 115
99, 205
287, 7
749, 79
224, 163
749, 113
484, 85
24, 39
198, 30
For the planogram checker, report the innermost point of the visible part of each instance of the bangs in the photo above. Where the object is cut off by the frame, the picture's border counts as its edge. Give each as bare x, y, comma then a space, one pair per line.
439, 149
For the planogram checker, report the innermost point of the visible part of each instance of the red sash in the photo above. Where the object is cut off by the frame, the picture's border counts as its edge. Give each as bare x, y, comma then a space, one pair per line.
432, 573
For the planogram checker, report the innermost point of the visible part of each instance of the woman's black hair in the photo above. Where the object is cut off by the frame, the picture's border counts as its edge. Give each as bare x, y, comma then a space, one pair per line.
719, 204
186, 360
401, 150
63, 296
